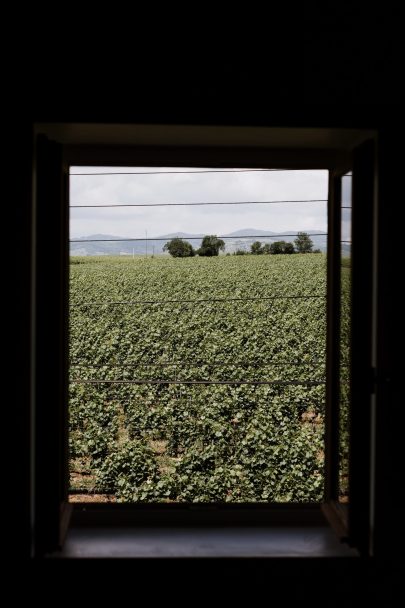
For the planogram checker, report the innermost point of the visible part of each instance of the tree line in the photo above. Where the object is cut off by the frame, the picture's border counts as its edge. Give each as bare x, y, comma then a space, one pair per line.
302, 244
211, 246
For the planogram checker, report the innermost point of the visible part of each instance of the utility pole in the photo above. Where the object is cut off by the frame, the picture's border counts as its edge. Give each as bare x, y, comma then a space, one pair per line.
146, 234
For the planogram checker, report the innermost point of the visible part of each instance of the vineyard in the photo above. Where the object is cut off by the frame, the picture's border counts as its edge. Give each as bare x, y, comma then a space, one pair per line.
198, 379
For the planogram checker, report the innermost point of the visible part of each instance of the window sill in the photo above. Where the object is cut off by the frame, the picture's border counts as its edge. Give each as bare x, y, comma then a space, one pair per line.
240, 542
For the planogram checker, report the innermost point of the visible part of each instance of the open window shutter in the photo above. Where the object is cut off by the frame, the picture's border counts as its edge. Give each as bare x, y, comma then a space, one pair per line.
362, 370
350, 374
50, 279
333, 511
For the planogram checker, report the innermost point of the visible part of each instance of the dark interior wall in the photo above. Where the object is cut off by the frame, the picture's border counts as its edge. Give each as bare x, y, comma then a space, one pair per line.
389, 508
330, 83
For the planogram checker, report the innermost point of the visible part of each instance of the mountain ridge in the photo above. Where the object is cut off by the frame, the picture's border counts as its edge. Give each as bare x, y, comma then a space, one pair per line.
108, 244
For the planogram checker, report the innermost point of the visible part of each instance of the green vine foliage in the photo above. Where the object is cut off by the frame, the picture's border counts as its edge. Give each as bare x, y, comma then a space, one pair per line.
198, 443
129, 471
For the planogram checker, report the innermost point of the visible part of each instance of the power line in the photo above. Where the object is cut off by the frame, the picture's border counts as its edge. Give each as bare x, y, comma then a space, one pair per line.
264, 313
183, 172
103, 206
230, 382
199, 365
309, 400
192, 238
194, 301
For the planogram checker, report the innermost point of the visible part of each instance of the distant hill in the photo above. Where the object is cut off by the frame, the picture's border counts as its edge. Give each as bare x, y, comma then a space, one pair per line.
250, 231
239, 239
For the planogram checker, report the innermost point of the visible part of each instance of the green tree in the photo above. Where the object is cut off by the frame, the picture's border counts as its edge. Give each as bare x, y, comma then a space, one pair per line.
277, 247
256, 248
211, 245
267, 248
303, 243
289, 248
179, 248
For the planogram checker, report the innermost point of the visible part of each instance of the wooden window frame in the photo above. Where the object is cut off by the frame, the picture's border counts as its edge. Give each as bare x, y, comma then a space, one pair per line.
52, 511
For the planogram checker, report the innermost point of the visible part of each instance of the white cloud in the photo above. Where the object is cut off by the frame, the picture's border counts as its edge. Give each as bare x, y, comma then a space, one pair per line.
195, 187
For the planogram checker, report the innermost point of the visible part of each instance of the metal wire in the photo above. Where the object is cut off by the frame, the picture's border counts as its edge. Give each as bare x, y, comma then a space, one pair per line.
166, 364
86, 206
183, 172
230, 382
214, 300
191, 238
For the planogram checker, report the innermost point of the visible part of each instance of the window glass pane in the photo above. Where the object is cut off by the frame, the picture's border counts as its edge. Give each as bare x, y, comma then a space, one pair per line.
347, 190
345, 327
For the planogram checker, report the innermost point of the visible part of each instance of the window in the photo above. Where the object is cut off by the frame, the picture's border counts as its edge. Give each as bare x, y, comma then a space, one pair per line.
197, 376
345, 320
253, 148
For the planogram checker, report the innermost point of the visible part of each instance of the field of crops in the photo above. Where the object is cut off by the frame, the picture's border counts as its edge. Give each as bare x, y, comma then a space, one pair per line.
162, 323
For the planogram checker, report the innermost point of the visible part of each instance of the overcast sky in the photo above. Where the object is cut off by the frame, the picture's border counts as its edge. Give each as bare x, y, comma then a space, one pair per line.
195, 187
